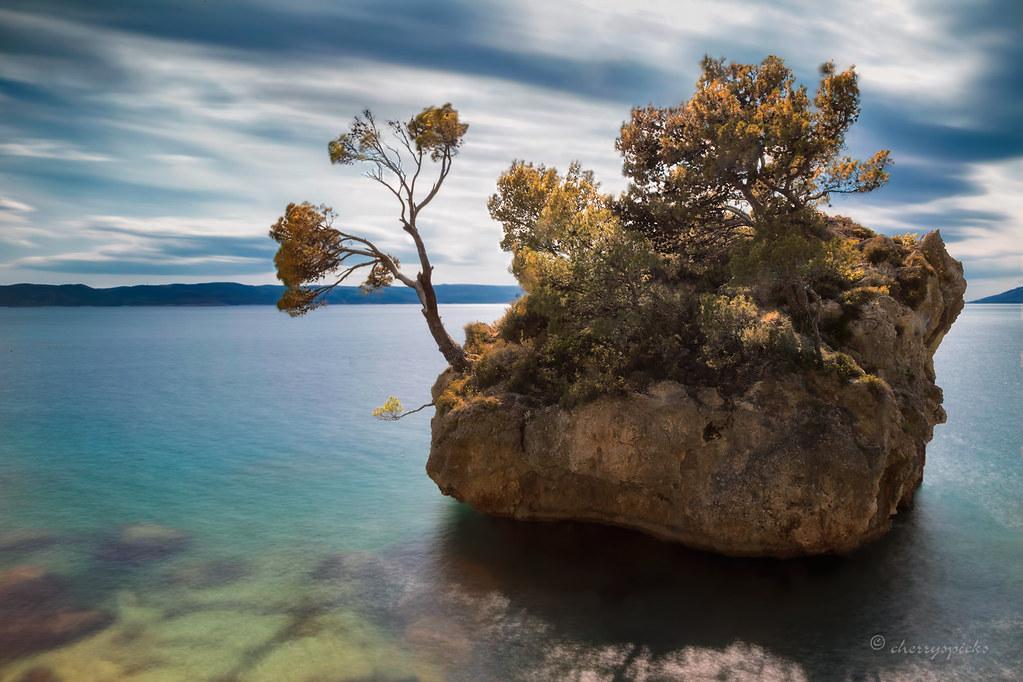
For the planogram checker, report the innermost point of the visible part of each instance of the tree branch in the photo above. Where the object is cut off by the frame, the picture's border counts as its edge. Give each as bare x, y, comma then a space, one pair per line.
396, 417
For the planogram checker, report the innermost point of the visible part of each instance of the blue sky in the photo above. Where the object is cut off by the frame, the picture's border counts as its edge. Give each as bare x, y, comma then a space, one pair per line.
156, 142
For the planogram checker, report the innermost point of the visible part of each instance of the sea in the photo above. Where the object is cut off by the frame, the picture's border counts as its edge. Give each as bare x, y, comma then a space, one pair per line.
202, 494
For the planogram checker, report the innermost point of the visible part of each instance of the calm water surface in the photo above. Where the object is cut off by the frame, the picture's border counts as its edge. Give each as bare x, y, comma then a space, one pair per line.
300, 539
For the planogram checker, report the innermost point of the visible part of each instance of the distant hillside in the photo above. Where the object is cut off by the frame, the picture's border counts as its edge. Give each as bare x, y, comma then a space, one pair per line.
229, 293
1010, 296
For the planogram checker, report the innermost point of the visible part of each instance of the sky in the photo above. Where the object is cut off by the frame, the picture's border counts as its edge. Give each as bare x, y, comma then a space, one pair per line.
157, 142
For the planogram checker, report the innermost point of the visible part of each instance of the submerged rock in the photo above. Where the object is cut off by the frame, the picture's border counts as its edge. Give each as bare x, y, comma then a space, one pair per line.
806, 462
40, 673
32, 632
27, 587
209, 574
23, 541
366, 582
35, 614
142, 543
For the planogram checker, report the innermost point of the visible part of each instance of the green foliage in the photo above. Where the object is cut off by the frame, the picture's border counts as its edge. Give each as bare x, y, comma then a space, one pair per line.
501, 361
907, 239
778, 256
747, 149
878, 386
735, 331
314, 257
551, 222
477, 336
453, 395
712, 268
308, 244
521, 322
309, 249
862, 295
843, 365
391, 410
592, 292
884, 250
725, 322
435, 131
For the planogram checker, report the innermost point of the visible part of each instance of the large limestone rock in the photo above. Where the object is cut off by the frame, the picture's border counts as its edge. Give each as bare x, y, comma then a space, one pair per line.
803, 463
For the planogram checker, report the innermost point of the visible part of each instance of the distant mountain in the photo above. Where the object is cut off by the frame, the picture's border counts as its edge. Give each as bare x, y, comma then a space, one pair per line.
1010, 296
230, 293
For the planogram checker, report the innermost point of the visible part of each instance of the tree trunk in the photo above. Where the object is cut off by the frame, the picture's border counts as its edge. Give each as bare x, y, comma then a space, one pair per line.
452, 352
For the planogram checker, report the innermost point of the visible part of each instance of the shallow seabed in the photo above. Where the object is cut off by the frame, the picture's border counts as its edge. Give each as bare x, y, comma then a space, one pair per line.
286, 535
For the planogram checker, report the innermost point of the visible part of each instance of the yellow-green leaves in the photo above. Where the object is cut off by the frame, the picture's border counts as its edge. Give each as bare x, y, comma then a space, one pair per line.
308, 245
309, 249
437, 131
391, 409
342, 150
361, 142
379, 276
749, 147
314, 258
542, 211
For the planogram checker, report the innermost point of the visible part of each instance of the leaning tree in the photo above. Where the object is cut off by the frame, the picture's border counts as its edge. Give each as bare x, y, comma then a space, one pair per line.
315, 256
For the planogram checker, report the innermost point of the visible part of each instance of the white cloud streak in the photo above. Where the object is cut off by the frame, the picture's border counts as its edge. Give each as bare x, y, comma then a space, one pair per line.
245, 136
49, 149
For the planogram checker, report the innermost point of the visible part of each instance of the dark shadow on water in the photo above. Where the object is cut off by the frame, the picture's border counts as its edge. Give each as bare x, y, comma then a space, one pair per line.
605, 587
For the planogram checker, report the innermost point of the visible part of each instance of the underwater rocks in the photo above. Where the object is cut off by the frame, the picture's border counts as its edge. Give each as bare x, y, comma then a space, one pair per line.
365, 581
40, 674
35, 613
142, 543
26, 586
810, 461
24, 541
209, 574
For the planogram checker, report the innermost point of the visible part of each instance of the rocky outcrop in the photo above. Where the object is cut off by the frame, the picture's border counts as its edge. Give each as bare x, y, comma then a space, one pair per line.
804, 462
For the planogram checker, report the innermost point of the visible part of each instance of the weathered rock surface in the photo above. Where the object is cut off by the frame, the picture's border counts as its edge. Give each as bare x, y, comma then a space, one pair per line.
808, 462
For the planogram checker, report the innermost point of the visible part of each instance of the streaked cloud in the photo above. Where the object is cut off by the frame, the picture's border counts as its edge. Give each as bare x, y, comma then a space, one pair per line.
7, 204
48, 149
158, 142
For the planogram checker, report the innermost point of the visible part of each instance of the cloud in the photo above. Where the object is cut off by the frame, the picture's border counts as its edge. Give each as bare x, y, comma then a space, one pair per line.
981, 228
165, 246
15, 227
48, 149
207, 120
98, 263
7, 204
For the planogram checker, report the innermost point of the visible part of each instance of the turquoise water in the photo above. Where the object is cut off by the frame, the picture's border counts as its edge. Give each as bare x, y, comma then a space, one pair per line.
307, 542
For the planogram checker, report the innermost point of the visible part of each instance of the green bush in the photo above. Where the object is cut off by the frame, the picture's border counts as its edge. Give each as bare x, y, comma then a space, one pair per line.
843, 365
876, 384
864, 294
478, 335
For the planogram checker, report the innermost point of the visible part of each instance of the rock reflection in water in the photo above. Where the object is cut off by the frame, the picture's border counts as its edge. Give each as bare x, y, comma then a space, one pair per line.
566, 599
